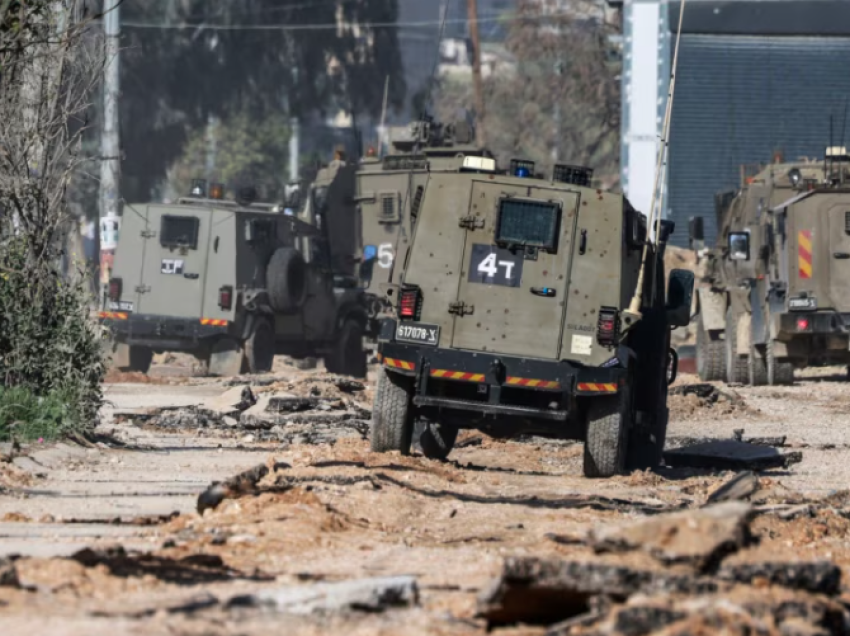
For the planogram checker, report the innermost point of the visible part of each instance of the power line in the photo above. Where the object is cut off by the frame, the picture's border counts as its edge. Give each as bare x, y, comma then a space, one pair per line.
328, 26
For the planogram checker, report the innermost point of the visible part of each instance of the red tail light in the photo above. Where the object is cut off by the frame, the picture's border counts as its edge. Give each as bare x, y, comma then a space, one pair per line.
225, 297
115, 289
803, 324
409, 303
608, 327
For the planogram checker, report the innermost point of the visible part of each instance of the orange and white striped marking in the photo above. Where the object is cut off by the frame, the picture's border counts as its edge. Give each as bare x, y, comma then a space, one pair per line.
399, 364
533, 383
804, 253
113, 315
213, 322
597, 388
457, 375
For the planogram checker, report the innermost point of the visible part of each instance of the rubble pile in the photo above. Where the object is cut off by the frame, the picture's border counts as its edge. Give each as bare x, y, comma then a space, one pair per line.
690, 401
320, 409
678, 573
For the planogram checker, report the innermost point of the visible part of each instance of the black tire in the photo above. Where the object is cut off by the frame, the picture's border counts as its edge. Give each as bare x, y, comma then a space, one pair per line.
780, 371
606, 438
140, 359
286, 279
438, 439
756, 367
392, 414
736, 366
348, 356
711, 363
259, 347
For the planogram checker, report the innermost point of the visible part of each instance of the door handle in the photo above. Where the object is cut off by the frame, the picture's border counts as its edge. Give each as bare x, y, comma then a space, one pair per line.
841, 255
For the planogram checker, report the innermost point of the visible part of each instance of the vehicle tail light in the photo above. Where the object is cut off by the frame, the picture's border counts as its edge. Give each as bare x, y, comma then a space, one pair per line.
803, 324
115, 289
608, 328
409, 303
225, 297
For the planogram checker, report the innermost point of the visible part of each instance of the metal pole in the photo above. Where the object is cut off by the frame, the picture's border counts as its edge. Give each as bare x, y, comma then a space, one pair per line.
294, 149
110, 166
472, 10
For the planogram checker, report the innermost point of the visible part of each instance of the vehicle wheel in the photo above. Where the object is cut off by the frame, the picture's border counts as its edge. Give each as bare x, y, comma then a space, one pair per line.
756, 367
438, 439
286, 279
711, 364
259, 348
140, 359
736, 366
780, 371
607, 435
226, 358
348, 356
392, 415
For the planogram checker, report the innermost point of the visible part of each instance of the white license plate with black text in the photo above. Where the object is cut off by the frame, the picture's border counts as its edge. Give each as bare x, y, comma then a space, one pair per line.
418, 334
802, 303
123, 305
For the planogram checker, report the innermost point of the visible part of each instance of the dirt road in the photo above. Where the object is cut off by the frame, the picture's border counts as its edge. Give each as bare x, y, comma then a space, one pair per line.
329, 515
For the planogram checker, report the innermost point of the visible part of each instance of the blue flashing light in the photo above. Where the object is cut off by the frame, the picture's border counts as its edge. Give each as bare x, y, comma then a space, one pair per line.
522, 172
369, 252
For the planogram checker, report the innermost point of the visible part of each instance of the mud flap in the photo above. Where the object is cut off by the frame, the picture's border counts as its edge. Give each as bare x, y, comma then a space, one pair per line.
712, 306
744, 325
119, 355
226, 358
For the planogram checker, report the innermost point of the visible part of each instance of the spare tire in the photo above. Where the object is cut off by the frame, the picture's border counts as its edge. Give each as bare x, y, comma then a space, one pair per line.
286, 278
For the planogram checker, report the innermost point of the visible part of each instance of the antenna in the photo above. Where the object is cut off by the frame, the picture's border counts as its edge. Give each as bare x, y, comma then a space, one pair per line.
654, 219
384, 114
843, 130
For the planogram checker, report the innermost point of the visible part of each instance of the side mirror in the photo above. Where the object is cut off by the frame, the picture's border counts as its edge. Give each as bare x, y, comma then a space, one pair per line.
739, 246
680, 296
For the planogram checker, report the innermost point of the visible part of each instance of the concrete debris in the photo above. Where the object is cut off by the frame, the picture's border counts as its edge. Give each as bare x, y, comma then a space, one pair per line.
709, 393
8, 573
240, 485
365, 595
231, 402
697, 538
739, 487
730, 455
777, 442
818, 577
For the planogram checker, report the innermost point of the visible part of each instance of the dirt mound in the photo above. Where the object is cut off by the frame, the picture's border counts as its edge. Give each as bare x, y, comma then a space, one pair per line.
692, 401
114, 376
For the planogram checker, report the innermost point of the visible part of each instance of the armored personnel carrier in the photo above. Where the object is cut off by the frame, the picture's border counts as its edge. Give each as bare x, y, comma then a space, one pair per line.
777, 293
233, 283
525, 304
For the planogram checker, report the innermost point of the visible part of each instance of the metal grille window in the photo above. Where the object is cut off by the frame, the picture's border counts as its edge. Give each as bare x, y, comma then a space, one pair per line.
179, 231
388, 207
847, 222
528, 223
417, 202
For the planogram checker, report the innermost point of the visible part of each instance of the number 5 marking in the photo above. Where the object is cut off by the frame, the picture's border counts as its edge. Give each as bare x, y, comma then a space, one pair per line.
385, 255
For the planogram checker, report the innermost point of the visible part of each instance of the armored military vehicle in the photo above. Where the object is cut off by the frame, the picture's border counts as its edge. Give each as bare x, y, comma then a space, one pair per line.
232, 282
777, 294
526, 304
390, 190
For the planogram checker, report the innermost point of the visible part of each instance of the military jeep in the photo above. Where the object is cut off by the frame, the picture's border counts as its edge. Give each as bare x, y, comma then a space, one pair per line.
233, 283
514, 312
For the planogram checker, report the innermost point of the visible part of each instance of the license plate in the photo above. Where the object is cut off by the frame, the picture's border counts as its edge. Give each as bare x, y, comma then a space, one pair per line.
803, 303
123, 305
418, 333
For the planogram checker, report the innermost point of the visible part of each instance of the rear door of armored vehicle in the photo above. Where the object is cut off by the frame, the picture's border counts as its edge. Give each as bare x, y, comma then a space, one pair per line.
162, 259
515, 270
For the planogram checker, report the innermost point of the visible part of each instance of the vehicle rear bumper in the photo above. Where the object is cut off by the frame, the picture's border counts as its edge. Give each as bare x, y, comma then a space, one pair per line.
502, 383
162, 332
818, 323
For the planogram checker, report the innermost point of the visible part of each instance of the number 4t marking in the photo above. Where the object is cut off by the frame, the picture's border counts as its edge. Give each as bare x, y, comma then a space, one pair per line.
490, 267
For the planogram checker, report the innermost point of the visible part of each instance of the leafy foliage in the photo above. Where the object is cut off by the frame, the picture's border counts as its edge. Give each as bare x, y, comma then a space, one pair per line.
247, 153
174, 78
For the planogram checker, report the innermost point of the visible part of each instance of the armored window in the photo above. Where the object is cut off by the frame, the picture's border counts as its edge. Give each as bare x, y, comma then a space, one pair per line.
847, 222
179, 231
417, 203
527, 223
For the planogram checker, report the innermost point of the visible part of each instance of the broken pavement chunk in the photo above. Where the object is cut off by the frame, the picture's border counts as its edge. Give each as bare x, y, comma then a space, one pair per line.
347, 385
541, 592
697, 538
738, 487
819, 577
729, 455
231, 402
284, 403
367, 595
8, 574
244, 483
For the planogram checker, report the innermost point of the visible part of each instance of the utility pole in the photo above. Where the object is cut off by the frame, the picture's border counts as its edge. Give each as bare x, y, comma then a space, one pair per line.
472, 10
110, 166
